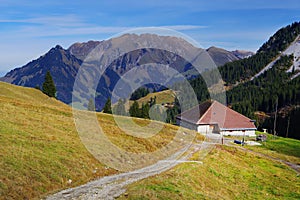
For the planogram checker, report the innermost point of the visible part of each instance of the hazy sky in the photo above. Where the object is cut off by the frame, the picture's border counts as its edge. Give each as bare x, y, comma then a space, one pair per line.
30, 28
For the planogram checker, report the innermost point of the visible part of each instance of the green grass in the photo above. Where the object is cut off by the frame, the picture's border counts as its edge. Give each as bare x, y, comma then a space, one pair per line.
40, 149
279, 147
283, 145
226, 173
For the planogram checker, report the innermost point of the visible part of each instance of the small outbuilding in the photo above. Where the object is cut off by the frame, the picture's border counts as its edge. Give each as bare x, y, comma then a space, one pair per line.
214, 117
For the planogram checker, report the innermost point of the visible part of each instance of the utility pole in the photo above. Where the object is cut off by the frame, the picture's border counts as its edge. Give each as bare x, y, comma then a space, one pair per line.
275, 120
288, 126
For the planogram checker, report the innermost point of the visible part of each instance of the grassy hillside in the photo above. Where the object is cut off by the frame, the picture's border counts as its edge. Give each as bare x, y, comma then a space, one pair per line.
286, 149
226, 173
166, 96
41, 151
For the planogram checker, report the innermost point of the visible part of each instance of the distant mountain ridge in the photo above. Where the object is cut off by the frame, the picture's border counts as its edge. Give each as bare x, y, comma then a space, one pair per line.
222, 56
64, 63
241, 54
219, 55
81, 50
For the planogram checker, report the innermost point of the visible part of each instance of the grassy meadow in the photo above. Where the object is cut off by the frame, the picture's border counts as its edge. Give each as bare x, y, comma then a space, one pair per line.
41, 152
286, 149
226, 173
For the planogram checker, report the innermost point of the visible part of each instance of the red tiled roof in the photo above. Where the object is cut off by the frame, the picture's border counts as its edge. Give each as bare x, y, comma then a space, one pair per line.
217, 113
193, 115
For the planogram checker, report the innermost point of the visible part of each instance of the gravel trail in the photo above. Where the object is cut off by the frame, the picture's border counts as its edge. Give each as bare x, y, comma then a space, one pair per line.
111, 187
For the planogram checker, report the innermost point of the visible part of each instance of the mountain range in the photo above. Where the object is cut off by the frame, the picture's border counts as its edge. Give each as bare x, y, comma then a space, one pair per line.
64, 64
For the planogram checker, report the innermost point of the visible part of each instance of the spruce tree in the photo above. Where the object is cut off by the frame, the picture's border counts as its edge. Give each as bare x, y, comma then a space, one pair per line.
49, 86
107, 106
134, 110
91, 105
145, 111
119, 109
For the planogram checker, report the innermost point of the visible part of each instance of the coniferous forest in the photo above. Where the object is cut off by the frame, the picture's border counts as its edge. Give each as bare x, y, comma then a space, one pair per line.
274, 89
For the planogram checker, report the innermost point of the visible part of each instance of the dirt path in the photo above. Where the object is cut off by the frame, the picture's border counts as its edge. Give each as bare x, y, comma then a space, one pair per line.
113, 186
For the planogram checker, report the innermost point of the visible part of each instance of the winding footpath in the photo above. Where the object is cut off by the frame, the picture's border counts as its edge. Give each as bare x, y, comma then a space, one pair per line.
111, 187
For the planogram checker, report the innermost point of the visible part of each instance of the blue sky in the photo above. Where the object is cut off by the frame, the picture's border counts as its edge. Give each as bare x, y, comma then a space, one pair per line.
30, 28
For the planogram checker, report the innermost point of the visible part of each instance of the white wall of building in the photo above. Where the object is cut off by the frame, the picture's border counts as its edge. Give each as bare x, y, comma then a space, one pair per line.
203, 129
250, 133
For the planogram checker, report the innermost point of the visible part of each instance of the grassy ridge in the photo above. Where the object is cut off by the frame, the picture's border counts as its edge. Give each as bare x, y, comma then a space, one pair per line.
166, 96
40, 148
226, 173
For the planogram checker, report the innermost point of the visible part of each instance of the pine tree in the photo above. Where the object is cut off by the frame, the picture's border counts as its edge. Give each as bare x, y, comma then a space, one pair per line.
145, 111
107, 106
152, 101
157, 113
49, 86
91, 105
293, 70
134, 110
119, 109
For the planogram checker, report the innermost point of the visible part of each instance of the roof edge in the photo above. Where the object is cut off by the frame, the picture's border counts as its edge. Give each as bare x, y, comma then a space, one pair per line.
209, 108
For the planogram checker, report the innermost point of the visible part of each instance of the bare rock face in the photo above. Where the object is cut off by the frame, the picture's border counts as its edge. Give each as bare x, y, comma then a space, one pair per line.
81, 50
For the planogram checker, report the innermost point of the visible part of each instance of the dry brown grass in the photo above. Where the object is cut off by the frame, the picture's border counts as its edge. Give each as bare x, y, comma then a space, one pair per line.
166, 96
40, 148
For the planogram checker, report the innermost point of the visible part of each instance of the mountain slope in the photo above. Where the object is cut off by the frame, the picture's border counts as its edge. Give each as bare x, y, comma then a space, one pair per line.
245, 69
292, 50
41, 150
275, 87
221, 56
64, 64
